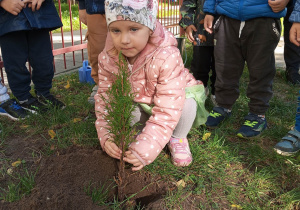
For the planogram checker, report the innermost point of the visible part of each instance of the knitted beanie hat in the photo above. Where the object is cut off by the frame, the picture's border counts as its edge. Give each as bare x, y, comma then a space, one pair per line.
140, 11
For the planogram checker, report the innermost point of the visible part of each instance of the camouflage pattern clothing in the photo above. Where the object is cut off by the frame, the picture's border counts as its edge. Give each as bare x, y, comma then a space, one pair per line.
192, 13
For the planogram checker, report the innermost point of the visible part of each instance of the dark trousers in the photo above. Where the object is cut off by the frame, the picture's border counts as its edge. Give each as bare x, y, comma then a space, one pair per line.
35, 46
291, 51
255, 46
203, 61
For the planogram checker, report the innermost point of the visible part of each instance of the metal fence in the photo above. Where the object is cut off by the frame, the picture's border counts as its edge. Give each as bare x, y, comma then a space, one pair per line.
168, 15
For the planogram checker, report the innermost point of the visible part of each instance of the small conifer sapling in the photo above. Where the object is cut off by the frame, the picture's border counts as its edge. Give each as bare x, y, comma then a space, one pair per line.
119, 104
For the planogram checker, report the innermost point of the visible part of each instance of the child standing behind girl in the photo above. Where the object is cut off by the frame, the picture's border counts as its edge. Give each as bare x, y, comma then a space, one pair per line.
203, 43
159, 80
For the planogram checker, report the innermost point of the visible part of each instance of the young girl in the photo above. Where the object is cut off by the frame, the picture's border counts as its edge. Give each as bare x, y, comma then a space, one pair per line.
159, 79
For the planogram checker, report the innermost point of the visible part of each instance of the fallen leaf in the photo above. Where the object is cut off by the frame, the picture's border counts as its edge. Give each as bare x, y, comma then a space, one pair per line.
52, 147
24, 126
51, 133
16, 163
180, 183
210, 166
206, 136
236, 206
67, 86
75, 120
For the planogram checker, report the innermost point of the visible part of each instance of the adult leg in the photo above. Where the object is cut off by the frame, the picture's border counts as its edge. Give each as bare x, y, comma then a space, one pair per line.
14, 47
41, 60
291, 51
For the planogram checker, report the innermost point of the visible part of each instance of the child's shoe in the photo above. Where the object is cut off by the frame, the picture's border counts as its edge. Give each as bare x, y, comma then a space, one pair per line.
91, 99
33, 105
13, 110
290, 144
216, 116
51, 101
180, 151
253, 126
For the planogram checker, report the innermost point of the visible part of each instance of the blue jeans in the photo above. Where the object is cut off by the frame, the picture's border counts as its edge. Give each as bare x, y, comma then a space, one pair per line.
34, 46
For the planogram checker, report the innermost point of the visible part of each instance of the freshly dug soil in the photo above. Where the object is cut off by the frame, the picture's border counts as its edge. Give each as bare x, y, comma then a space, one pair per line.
63, 178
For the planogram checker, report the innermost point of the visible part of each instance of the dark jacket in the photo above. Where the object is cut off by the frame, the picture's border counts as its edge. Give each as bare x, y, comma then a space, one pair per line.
92, 6
241, 9
44, 18
192, 14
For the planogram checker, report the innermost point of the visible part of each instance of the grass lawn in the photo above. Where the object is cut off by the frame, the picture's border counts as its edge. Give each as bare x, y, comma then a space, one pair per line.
227, 172
65, 16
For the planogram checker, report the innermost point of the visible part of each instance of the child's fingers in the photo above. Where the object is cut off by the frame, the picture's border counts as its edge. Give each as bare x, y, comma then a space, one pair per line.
113, 153
137, 168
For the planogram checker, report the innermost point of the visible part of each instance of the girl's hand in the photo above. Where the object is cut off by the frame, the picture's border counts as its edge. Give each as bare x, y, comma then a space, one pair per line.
112, 149
189, 32
130, 158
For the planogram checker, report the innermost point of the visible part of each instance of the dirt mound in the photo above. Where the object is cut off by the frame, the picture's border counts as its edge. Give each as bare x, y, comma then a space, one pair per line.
62, 180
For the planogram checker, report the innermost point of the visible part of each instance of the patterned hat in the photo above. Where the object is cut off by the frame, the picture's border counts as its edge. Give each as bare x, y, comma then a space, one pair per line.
140, 11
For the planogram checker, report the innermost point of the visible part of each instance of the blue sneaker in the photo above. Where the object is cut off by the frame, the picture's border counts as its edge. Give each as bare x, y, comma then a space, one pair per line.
290, 144
216, 116
253, 126
13, 110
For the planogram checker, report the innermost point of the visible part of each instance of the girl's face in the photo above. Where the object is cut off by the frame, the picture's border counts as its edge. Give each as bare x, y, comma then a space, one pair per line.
129, 37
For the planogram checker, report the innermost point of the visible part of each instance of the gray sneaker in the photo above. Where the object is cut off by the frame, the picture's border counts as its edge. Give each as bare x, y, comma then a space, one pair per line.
91, 99
290, 144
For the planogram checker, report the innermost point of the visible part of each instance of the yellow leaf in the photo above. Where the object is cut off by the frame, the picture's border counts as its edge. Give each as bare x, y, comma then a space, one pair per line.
180, 183
67, 86
206, 136
16, 163
24, 126
236, 206
51, 133
210, 166
75, 120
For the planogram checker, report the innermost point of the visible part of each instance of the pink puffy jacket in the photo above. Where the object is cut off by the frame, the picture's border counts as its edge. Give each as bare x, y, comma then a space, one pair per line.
159, 77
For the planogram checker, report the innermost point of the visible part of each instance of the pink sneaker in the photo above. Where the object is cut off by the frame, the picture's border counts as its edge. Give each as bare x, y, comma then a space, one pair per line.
180, 151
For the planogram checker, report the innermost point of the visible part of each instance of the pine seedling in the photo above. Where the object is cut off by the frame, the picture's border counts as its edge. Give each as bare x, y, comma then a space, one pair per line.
119, 105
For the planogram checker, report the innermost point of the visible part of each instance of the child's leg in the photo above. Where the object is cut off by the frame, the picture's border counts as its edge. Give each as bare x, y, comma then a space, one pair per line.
97, 29
139, 116
261, 38
179, 145
41, 60
14, 47
229, 61
213, 72
200, 66
187, 119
